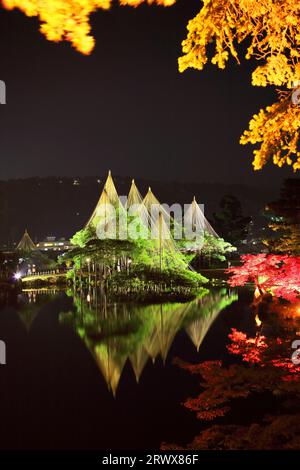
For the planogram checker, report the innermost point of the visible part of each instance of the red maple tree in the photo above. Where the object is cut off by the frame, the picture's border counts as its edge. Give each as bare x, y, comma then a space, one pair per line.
266, 368
278, 275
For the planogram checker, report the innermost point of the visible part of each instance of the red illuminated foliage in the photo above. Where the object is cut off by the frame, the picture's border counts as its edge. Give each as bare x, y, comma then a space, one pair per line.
276, 274
250, 349
276, 433
268, 369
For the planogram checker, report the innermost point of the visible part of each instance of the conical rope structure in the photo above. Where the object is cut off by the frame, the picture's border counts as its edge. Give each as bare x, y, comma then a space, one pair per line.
196, 218
134, 197
26, 244
109, 197
154, 222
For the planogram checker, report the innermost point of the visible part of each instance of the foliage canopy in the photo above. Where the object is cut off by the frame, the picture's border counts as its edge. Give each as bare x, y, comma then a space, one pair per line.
270, 29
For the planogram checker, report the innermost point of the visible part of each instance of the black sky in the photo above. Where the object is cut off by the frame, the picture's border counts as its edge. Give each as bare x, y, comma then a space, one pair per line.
125, 107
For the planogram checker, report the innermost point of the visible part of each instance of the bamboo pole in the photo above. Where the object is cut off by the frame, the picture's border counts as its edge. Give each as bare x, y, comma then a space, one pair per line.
160, 242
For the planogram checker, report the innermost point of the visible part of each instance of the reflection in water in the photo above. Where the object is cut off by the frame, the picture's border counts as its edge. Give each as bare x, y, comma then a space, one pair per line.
116, 333
30, 302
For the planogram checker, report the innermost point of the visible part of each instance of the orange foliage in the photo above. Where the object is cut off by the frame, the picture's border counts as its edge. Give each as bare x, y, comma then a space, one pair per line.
271, 29
69, 20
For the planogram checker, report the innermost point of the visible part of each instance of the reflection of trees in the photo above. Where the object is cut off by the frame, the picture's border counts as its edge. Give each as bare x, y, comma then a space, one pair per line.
198, 328
116, 333
265, 373
29, 304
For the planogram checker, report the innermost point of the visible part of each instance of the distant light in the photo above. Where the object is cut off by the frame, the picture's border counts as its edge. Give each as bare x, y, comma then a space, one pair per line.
17, 276
88, 260
258, 321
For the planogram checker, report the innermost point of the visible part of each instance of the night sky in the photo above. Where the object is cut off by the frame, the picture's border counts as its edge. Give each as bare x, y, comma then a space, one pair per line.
126, 107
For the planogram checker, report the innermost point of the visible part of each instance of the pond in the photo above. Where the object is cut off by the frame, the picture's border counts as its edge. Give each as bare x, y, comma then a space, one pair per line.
85, 373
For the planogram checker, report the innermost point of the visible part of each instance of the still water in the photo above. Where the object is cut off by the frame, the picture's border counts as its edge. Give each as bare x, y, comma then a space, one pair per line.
86, 373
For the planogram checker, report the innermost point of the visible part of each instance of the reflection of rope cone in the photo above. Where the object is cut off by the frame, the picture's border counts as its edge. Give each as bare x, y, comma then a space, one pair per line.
167, 324
112, 338
111, 367
213, 304
138, 360
28, 315
199, 328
